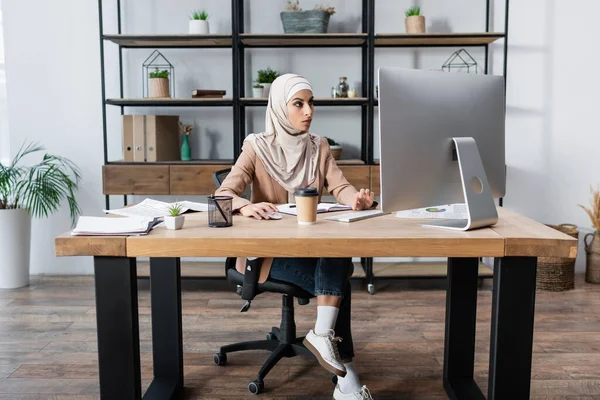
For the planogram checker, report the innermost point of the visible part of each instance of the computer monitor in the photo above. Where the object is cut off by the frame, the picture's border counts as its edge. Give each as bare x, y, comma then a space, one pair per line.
421, 113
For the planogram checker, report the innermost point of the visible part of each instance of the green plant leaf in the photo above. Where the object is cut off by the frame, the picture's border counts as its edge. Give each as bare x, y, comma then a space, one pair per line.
42, 187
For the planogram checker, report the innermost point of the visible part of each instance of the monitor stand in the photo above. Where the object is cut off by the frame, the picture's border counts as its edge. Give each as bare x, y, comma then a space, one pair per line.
481, 209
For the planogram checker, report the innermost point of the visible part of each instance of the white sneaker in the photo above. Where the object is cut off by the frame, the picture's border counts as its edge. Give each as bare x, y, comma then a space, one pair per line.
362, 394
324, 347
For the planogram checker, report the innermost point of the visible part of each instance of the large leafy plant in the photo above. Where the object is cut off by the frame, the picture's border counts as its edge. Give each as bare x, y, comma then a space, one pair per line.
39, 188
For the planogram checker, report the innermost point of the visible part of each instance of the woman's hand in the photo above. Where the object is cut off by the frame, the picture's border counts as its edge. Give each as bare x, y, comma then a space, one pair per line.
363, 200
258, 210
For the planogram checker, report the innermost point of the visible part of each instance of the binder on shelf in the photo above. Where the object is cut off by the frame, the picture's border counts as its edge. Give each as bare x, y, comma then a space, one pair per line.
151, 138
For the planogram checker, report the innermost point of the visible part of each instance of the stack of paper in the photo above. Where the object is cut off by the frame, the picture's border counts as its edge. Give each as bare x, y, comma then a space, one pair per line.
155, 208
321, 208
102, 226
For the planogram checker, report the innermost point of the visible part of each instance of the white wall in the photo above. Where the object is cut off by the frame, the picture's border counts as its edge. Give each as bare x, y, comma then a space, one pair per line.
4, 136
53, 70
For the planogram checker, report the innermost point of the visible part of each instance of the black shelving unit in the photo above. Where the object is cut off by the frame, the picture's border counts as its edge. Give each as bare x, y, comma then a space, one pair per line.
239, 41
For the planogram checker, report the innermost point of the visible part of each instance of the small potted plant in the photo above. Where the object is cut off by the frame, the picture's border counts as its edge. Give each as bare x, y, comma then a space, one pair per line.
37, 191
265, 78
336, 148
199, 23
159, 84
257, 90
174, 220
296, 20
414, 22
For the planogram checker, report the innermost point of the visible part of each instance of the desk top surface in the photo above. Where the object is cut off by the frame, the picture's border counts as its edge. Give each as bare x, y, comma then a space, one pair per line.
386, 236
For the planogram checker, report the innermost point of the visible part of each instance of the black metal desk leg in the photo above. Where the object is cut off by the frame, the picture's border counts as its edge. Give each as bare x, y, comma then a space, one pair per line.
167, 342
118, 328
459, 342
513, 308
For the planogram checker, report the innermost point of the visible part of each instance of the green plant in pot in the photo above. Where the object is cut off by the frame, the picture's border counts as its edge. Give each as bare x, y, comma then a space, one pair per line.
198, 24
296, 20
257, 90
31, 191
414, 21
336, 148
265, 78
174, 220
159, 83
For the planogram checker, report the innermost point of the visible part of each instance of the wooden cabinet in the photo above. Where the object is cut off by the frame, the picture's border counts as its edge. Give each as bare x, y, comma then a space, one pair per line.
191, 179
194, 179
135, 179
374, 184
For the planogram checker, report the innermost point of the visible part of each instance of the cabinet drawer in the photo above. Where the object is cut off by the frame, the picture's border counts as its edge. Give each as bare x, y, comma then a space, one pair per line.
375, 180
135, 179
194, 179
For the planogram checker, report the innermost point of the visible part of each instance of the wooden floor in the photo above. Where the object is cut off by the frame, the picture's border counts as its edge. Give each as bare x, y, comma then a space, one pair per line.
48, 342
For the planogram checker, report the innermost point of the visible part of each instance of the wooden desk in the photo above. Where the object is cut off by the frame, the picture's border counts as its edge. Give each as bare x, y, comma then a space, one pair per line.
515, 242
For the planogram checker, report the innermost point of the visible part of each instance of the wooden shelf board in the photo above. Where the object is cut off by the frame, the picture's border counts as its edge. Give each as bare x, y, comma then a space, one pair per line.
171, 40
173, 102
215, 269
350, 162
322, 101
307, 39
437, 39
174, 162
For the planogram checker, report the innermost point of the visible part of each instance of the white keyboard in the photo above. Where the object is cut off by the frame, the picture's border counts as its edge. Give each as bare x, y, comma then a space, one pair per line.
356, 215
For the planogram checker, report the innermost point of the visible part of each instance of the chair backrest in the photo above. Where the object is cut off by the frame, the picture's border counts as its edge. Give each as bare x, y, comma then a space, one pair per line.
220, 175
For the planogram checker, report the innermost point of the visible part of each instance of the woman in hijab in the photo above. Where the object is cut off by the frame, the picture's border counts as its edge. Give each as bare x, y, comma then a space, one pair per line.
276, 162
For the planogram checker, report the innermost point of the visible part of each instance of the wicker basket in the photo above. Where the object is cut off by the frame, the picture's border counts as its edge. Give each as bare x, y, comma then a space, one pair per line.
311, 21
555, 274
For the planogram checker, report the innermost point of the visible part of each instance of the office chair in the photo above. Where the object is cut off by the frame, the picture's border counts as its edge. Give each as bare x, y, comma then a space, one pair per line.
282, 341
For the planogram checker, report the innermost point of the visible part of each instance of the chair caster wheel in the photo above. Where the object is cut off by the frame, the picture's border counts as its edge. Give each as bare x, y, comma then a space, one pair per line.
271, 336
256, 387
334, 379
371, 288
220, 358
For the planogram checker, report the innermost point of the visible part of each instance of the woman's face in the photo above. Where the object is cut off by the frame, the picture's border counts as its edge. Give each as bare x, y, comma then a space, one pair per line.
300, 110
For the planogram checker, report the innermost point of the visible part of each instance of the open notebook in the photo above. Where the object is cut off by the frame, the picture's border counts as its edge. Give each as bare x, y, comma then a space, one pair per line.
321, 208
155, 208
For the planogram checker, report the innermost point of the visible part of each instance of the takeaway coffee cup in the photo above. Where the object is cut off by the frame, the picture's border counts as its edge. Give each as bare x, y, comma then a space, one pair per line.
306, 205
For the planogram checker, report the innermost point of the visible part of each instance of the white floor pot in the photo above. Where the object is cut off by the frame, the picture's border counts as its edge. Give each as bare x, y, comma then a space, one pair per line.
198, 27
15, 242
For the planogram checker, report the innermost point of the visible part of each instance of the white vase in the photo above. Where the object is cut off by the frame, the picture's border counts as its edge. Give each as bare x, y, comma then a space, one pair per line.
266, 90
15, 242
198, 27
174, 223
257, 93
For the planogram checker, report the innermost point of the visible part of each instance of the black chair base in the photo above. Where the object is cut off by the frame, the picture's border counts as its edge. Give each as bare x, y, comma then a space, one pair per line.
281, 342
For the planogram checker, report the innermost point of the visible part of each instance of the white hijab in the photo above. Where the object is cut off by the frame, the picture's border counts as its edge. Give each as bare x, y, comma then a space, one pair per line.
290, 156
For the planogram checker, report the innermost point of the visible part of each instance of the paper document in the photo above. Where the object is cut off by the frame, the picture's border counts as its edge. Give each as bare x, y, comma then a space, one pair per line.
155, 208
447, 211
321, 208
103, 226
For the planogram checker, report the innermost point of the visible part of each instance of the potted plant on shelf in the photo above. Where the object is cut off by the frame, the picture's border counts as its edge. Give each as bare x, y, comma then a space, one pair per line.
199, 23
30, 191
296, 20
592, 249
414, 21
336, 148
174, 220
265, 78
159, 84
257, 90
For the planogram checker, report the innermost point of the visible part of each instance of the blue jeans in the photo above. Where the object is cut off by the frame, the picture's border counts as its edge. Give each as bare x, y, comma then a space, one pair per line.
323, 276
